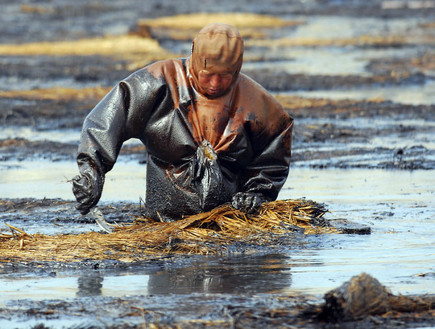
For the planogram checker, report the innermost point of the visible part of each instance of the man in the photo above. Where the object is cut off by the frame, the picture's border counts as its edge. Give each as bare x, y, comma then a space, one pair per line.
212, 134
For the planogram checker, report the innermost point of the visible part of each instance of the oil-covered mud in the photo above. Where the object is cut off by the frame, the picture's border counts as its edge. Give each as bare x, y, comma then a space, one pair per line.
357, 76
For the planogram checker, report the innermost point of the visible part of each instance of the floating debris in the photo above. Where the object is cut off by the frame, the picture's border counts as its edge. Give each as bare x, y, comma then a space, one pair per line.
363, 296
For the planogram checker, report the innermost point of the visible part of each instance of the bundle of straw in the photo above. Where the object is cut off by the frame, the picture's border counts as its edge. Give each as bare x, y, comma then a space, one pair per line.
204, 233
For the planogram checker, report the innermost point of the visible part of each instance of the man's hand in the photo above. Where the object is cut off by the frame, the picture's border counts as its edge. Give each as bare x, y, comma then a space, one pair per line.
247, 202
87, 189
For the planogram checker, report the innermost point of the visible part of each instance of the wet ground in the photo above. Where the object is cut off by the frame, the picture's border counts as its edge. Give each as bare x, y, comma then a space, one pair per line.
359, 79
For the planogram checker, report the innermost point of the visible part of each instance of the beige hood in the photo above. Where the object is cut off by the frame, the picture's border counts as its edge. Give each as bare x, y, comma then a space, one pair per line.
218, 48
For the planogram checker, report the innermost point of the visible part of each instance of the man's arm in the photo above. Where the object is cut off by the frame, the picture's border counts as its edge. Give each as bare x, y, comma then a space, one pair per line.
101, 139
119, 116
267, 173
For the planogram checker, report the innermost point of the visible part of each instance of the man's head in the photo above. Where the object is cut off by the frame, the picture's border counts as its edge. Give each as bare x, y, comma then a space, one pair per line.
216, 60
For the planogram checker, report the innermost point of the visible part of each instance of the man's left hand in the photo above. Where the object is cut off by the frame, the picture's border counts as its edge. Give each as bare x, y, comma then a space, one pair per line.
247, 202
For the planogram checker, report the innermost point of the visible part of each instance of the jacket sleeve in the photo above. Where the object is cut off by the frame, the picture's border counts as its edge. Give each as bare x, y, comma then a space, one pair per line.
268, 171
122, 114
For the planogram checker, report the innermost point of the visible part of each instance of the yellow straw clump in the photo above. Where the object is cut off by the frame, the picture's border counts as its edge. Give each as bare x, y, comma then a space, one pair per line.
204, 233
123, 45
57, 93
197, 21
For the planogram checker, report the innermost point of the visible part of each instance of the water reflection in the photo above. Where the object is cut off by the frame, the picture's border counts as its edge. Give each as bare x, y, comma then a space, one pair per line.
249, 274
236, 275
90, 284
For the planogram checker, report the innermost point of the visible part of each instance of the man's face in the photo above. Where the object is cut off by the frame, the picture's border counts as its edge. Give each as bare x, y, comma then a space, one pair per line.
214, 84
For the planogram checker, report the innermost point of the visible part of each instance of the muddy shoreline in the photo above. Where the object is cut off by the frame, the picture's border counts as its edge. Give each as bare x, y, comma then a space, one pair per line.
42, 113
329, 130
232, 312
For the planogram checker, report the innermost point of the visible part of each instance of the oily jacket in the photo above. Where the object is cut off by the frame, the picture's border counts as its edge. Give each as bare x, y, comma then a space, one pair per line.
201, 151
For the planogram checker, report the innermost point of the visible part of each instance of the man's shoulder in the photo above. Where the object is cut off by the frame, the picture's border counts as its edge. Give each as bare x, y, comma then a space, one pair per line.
248, 82
167, 63
167, 67
162, 70
249, 86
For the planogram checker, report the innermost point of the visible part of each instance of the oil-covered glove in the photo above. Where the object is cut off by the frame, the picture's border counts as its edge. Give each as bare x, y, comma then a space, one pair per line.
87, 188
247, 202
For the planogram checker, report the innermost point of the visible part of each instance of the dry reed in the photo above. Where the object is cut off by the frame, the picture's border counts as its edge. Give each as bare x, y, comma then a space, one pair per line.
204, 233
